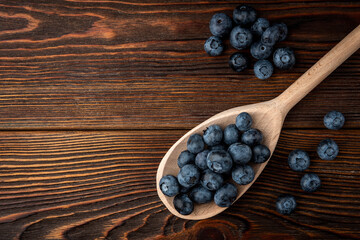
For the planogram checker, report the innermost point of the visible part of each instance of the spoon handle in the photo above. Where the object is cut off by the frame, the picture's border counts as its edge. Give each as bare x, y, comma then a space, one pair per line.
319, 71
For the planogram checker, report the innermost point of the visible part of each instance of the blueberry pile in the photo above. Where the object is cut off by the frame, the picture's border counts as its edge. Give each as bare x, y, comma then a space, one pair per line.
213, 163
299, 161
245, 31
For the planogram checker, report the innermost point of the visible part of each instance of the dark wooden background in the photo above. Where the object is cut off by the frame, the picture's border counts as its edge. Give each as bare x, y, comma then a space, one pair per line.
93, 93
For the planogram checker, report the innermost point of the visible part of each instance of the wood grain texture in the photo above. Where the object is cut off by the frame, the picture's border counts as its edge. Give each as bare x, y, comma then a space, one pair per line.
101, 185
140, 64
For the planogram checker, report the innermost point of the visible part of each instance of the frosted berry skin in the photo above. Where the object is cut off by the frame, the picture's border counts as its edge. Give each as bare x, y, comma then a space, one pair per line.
195, 143
261, 153
334, 120
240, 153
185, 157
188, 176
231, 134
243, 174
271, 36
226, 195
263, 69
310, 182
220, 25
213, 135
240, 38
244, 15
243, 121
169, 185
260, 51
199, 194
214, 46
238, 62
259, 27
211, 181
200, 159
183, 204
327, 149
284, 58
252, 137
299, 160
219, 161
285, 204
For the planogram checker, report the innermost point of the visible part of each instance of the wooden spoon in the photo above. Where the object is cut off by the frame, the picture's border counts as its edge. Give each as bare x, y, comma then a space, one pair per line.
267, 116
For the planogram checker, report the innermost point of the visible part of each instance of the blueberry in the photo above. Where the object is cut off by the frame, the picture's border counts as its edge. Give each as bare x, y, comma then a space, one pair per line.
226, 195
199, 194
213, 135
284, 58
299, 160
259, 26
238, 62
260, 51
214, 46
244, 15
183, 204
220, 25
231, 134
327, 149
243, 121
252, 137
219, 161
218, 147
195, 144
240, 153
184, 189
200, 160
270, 36
169, 185
334, 120
211, 181
240, 38
261, 153
283, 30
189, 175
243, 174
285, 204
185, 157
310, 182
263, 69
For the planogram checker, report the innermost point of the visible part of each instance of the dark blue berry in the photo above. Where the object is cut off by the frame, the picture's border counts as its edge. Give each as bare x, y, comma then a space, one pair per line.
195, 144
327, 149
218, 147
310, 182
299, 160
189, 176
184, 189
270, 36
261, 153
183, 204
252, 137
185, 157
243, 121
199, 194
226, 195
211, 181
219, 161
244, 15
231, 134
263, 69
334, 120
240, 38
243, 174
213, 135
169, 185
259, 26
200, 160
240, 153
238, 62
214, 46
284, 58
220, 25
285, 204
283, 30
260, 51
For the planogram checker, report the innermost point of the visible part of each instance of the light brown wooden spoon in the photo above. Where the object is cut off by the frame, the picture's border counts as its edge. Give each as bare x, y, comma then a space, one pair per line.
267, 116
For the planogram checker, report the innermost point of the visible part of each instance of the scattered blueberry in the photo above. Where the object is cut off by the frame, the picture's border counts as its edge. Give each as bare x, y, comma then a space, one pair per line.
195, 144
226, 195
240, 153
214, 46
263, 69
252, 137
260, 51
220, 25
213, 135
243, 121
284, 58
243, 174
261, 153
240, 38
211, 181
189, 176
218, 147
327, 149
259, 27
231, 134
283, 30
183, 204
299, 160
169, 185
285, 204
238, 62
200, 160
200, 194
270, 36
334, 120
185, 157
244, 15
219, 161
310, 182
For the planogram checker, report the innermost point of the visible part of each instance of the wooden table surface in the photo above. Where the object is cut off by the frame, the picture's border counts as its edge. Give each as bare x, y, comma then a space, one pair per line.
94, 92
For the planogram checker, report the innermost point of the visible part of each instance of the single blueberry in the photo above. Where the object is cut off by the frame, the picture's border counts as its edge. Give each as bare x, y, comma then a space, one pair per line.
213, 135
220, 25
283, 30
199, 194
226, 195
285, 204
310, 182
334, 120
189, 175
243, 174
299, 160
183, 204
185, 157
243, 121
195, 144
238, 62
284, 58
261, 153
263, 69
252, 137
327, 149
270, 36
240, 153
240, 38
214, 46
218, 147
231, 134
259, 26
169, 185
260, 51
219, 161
211, 181
200, 160
244, 15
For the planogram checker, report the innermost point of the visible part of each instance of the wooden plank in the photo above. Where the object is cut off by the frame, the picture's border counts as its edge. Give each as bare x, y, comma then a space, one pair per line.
115, 64
101, 185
